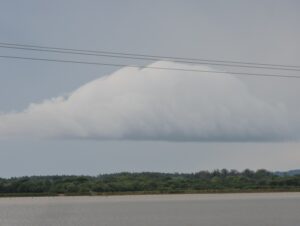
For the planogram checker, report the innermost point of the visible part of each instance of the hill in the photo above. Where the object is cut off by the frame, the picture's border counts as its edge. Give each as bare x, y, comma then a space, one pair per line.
288, 173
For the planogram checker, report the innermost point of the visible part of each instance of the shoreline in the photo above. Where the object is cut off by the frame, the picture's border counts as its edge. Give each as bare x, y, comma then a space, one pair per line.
78, 200
132, 194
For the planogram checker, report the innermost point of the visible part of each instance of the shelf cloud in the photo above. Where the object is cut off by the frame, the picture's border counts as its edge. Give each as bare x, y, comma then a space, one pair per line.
147, 104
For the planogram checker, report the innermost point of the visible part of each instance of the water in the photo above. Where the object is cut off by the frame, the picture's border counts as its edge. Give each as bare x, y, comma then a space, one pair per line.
272, 209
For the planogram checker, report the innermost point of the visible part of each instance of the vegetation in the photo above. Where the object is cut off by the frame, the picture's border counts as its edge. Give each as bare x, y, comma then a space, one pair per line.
147, 182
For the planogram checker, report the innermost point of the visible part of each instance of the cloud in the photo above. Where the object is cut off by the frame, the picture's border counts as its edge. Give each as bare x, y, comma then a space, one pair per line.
147, 104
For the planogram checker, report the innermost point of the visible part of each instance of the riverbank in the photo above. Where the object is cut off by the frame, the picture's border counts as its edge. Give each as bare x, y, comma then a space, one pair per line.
125, 183
141, 193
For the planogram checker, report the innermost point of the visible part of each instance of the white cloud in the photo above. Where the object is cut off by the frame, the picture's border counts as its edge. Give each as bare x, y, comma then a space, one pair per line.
147, 104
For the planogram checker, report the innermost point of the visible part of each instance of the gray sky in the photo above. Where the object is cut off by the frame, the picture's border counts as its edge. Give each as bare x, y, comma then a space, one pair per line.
259, 31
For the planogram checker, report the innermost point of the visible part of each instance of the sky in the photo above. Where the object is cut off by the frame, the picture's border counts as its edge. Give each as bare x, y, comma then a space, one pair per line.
84, 119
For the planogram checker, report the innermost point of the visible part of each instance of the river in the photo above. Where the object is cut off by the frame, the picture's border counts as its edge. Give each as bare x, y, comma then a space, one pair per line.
253, 209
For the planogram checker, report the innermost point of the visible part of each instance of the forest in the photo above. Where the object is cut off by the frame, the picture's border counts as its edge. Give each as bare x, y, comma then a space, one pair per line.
150, 183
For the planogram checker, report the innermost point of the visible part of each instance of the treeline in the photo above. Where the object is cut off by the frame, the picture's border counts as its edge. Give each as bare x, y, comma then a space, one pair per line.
147, 182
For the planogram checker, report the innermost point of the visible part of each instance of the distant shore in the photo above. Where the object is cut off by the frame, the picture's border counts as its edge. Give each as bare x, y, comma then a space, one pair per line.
105, 194
126, 183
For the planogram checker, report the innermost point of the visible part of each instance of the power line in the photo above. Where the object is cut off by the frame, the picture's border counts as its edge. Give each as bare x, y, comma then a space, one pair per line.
144, 58
149, 57
150, 67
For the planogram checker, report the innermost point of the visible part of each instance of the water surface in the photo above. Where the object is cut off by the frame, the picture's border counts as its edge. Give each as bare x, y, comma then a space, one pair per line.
266, 209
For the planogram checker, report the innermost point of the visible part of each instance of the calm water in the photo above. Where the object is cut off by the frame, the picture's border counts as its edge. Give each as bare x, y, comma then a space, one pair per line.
282, 209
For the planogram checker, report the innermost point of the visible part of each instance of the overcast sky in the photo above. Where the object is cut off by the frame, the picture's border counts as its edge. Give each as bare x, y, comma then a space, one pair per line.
43, 100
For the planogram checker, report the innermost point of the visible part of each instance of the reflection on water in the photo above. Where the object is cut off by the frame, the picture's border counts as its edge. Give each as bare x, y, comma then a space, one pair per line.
272, 209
